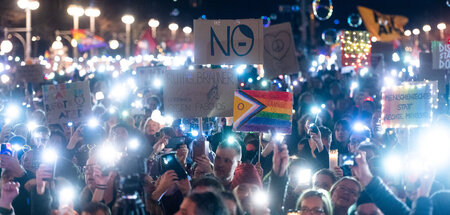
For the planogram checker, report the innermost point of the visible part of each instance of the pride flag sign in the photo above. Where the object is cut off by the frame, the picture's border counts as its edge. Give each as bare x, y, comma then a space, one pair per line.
261, 111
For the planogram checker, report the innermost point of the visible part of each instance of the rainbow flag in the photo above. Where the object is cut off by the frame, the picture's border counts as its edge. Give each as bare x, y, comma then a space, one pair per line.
261, 111
86, 40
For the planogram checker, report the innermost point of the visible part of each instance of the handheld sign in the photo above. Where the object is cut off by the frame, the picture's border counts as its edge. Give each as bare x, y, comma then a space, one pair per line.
279, 51
31, 73
199, 93
441, 55
67, 102
408, 105
228, 41
262, 111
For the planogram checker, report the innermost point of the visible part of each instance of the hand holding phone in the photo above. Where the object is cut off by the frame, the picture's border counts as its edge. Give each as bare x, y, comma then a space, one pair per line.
170, 162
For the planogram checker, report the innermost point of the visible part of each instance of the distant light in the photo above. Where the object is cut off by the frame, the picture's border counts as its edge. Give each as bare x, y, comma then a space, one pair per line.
168, 120
194, 133
6, 46
5, 78
354, 85
242, 84
187, 30
173, 26
250, 80
441, 26
323, 106
125, 113
321, 59
295, 83
373, 39
92, 12
395, 57
364, 71
157, 83
388, 81
416, 31
32, 125
114, 44
315, 110
75, 10
128, 19
264, 83
314, 63
231, 140
70, 124
93, 122
407, 33
358, 126
133, 143
426, 28
153, 23
240, 69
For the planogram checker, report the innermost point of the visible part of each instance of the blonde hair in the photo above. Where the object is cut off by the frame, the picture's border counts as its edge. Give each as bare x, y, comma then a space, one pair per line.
322, 194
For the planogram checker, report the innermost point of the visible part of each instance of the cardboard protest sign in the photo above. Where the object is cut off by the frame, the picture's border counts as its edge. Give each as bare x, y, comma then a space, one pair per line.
279, 51
31, 73
70, 102
146, 75
228, 41
441, 55
408, 105
261, 111
199, 93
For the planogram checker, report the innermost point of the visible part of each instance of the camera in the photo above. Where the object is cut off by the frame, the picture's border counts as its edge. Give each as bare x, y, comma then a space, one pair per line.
348, 160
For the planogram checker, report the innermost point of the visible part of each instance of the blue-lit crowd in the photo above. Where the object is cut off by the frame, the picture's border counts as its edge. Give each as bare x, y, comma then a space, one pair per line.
124, 159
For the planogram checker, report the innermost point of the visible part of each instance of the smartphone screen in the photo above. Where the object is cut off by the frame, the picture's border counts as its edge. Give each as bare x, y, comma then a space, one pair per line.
348, 160
200, 148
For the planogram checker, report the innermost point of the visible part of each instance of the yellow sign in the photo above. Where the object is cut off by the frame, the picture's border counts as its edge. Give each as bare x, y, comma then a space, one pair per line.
384, 27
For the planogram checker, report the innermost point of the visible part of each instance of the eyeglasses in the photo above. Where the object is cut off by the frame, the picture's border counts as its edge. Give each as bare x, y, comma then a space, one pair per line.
314, 211
349, 190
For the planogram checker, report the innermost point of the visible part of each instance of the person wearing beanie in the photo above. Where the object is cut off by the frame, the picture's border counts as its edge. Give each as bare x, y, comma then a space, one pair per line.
246, 173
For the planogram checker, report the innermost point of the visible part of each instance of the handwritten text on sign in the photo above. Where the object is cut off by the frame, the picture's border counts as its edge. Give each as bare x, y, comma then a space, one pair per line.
199, 93
441, 55
407, 105
67, 102
228, 41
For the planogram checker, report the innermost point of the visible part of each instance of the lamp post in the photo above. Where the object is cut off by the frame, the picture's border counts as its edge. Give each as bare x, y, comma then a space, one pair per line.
92, 13
187, 31
441, 26
76, 11
128, 20
28, 5
153, 23
426, 29
173, 29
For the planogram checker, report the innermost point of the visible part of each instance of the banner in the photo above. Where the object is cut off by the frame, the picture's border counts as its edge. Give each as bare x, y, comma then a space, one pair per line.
199, 93
279, 51
31, 73
441, 55
228, 41
384, 27
65, 103
262, 111
86, 40
148, 76
408, 105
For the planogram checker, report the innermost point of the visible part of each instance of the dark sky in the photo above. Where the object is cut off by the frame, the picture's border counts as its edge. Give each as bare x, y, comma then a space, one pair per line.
52, 14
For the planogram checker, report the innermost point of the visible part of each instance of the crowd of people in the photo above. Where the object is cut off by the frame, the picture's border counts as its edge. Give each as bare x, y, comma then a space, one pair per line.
135, 164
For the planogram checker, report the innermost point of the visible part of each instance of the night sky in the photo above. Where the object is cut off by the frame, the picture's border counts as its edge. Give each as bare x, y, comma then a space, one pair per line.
52, 14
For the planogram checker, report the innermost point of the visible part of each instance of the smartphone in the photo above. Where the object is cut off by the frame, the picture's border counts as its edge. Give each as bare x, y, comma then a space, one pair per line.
170, 162
200, 148
175, 141
6, 149
267, 136
313, 128
348, 160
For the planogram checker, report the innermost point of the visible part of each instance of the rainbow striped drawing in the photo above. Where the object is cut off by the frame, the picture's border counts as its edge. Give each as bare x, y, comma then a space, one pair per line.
261, 111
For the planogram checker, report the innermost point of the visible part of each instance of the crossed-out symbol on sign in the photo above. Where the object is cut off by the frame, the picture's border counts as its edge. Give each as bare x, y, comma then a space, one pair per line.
277, 45
240, 106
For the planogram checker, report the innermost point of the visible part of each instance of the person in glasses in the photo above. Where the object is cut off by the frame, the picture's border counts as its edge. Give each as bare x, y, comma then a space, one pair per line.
344, 194
315, 202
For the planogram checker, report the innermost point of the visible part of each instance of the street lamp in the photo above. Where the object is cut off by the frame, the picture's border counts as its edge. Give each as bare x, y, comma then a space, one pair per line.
92, 13
128, 20
76, 11
28, 5
187, 30
407, 33
416, 31
426, 29
173, 27
441, 26
153, 23
57, 44
114, 44
6, 46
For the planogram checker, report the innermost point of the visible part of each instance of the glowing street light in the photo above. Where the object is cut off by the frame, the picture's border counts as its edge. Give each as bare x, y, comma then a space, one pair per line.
173, 27
441, 26
407, 33
92, 13
75, 11
6, 46
187, 30
416, 31
128, 20
28, 5
153, 23
426, 28
57, 44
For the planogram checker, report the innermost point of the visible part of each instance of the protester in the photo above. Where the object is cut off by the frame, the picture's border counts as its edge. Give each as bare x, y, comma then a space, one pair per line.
324, 179
344, 193
315, 202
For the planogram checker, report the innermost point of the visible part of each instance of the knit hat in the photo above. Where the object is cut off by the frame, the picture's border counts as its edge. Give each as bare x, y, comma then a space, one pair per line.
246, 173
